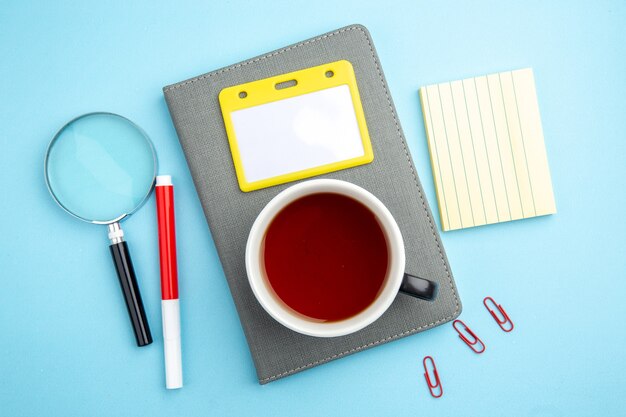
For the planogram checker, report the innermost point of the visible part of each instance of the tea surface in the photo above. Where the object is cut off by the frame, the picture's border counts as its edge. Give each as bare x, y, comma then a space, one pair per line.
325, 256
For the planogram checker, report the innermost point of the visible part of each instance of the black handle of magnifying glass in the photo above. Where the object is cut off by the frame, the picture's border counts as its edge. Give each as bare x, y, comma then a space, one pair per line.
419, 287
128, 281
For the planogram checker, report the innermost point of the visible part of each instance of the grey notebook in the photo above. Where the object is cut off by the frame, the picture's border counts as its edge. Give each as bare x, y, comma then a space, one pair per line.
195, 110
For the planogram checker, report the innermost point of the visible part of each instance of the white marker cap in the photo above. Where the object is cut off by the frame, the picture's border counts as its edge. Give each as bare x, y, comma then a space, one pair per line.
163, 180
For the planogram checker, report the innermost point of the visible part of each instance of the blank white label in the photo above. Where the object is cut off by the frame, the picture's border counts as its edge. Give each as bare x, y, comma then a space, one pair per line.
297, 133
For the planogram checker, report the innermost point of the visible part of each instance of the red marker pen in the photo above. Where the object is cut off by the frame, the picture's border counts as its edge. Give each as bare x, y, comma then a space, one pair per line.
170, 308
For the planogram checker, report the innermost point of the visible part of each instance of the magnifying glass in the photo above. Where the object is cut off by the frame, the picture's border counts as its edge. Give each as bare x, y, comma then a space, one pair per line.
100, 168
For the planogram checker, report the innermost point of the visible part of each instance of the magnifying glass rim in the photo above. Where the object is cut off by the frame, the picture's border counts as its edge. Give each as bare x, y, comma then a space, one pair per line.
123, 215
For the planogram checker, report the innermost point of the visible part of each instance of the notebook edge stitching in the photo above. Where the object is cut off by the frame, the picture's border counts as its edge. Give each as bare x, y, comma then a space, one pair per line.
413, 173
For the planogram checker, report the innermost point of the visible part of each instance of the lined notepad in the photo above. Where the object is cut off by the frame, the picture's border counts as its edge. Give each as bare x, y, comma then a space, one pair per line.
487, 150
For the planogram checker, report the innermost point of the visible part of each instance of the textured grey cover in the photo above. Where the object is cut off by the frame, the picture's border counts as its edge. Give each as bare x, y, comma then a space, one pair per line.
194, 107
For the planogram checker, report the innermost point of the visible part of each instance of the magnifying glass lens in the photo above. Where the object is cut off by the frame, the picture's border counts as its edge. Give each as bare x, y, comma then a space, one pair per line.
100, 167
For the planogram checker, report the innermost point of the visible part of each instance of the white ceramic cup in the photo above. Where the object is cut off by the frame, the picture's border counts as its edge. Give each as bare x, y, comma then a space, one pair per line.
277, 308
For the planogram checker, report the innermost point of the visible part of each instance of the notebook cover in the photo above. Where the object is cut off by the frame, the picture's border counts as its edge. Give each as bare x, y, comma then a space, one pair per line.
193, 104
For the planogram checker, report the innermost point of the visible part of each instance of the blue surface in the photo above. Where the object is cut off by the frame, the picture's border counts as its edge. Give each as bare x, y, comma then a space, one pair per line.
66, 344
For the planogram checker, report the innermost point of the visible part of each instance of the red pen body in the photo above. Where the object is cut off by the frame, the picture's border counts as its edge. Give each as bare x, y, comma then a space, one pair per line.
167, 241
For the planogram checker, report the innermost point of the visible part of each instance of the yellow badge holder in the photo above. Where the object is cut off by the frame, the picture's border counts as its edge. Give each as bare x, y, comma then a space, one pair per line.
296, 125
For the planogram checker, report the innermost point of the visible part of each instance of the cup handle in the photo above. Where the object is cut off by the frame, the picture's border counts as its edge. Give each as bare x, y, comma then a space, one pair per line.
418, 287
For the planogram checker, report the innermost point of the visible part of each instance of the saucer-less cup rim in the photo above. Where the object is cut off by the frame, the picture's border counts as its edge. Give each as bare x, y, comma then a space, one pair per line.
283, 314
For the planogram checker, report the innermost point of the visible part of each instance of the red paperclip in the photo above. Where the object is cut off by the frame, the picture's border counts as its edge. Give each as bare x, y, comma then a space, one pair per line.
505, 316
429, 382
468, 342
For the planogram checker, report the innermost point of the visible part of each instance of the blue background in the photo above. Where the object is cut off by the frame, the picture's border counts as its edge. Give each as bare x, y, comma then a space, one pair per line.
66, 346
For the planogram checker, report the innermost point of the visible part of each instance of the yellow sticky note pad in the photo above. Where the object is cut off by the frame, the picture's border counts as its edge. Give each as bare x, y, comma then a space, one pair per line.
296, 125
487, 149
